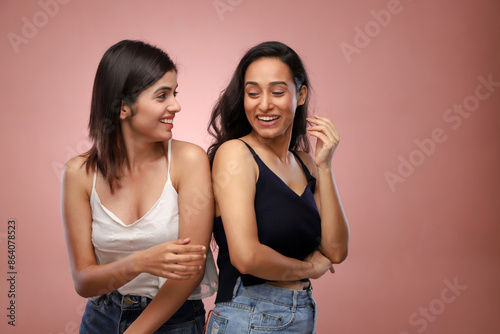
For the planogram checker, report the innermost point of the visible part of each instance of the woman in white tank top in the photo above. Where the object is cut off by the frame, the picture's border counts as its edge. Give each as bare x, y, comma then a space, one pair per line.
138, 207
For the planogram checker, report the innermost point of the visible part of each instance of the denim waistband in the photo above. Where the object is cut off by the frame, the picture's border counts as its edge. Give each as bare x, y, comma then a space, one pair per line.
277, 295
187, 312
128, 302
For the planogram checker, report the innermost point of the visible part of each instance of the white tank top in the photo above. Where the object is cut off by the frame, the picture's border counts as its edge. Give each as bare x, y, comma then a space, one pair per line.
114, 240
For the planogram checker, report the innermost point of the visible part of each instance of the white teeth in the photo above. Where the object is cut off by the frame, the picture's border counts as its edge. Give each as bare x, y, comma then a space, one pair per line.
167, 120
267, 118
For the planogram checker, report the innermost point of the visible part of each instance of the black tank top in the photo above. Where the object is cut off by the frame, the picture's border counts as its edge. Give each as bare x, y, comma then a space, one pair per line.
288, 223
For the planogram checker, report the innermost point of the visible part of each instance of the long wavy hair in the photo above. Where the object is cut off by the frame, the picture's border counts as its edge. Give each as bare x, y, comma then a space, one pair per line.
126, 69
228, 119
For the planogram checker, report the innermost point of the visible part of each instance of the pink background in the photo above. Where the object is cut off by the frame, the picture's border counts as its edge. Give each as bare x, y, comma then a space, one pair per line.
435, 225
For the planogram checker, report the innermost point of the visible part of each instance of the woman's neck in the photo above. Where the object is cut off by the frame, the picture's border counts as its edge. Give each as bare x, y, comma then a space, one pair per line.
277, 145
140, 154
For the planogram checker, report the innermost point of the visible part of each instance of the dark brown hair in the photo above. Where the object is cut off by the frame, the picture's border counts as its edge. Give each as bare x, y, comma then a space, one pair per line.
228, 119
126, 69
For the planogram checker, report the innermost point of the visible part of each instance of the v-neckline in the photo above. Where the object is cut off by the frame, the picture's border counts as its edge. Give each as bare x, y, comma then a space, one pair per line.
117, 219
110, 213
281, 180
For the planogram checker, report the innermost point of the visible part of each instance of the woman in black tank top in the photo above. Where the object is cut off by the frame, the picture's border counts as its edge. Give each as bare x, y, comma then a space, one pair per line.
279, 219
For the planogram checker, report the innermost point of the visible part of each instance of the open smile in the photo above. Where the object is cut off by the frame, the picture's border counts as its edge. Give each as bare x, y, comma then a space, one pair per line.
267, 118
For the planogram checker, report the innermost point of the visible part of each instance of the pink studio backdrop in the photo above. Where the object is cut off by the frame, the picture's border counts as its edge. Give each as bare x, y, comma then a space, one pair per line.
413, 87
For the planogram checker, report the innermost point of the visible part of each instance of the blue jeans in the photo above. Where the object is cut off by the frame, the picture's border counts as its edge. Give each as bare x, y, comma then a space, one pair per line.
262, 309
114, 313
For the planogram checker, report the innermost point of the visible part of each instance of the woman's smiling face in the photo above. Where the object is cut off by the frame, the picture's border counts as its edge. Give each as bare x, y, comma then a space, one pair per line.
152, 115
270, 98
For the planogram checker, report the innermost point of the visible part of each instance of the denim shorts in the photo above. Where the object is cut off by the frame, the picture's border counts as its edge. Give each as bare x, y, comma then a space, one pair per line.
262, 309
114, 313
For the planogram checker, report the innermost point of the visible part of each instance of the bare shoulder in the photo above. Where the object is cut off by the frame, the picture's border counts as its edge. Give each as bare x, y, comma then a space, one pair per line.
308, 161
75, 175
75, 168
233, 149
233, 158
188, 154
190, 167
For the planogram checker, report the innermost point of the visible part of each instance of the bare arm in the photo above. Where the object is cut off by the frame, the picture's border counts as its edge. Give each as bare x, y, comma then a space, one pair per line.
91, 279
234, 174
334, 226
196, 214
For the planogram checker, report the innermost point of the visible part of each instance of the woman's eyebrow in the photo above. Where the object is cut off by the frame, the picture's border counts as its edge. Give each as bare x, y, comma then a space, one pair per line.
272, 83
164, 88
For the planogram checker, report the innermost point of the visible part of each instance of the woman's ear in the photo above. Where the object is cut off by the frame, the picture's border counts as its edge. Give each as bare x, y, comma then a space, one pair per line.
302, 95
125, 111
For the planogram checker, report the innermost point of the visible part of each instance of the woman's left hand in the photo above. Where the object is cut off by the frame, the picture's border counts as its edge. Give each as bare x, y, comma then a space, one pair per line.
327, 139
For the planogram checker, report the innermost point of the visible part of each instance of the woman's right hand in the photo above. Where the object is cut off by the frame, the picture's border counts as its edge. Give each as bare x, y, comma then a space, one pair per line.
171, 259
320, 264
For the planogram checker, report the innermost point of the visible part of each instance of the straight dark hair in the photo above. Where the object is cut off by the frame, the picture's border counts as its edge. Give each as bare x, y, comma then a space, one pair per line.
228, 119
126, 69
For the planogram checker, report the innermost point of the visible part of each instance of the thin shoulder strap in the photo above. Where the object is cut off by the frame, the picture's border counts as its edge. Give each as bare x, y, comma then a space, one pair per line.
249, 147
304, 167
95, 178
169, 158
